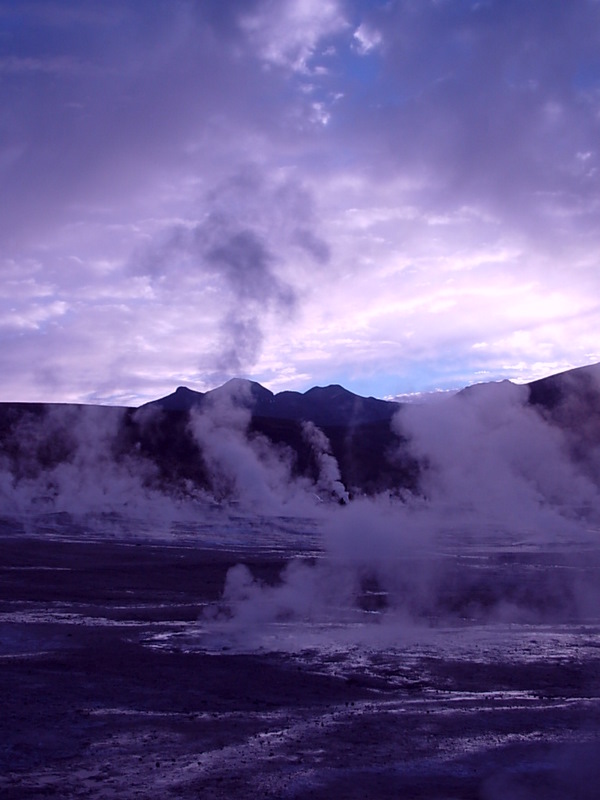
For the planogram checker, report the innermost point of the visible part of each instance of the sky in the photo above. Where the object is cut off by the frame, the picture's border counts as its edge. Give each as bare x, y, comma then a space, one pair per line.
398, 196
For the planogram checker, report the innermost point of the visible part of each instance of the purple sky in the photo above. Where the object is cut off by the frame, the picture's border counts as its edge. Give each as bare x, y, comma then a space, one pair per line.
398, 195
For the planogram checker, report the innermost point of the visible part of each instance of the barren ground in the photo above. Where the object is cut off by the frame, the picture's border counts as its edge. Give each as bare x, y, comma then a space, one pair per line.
91, 710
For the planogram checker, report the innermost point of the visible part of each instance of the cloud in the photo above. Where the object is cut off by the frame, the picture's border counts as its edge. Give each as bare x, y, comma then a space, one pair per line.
367, 38
490, 113
288, 34
417, 182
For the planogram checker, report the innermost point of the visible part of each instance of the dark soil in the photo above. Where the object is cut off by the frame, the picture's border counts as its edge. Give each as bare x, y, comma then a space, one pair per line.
90, 710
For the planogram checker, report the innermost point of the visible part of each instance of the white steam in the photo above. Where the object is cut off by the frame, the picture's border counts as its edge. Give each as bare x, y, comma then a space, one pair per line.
493, 460
496, 476
65, 461
329, 481
497, 480
244, 469
83, 460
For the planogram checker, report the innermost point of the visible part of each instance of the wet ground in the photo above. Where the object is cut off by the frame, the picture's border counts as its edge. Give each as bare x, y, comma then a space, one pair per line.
113, 684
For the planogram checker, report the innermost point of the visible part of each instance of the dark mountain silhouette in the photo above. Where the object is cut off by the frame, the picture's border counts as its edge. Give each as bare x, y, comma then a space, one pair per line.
330, 405
571, 401
36, 439
357, 428
574, 388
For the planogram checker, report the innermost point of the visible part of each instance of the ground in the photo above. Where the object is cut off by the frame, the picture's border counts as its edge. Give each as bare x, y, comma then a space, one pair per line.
102, 698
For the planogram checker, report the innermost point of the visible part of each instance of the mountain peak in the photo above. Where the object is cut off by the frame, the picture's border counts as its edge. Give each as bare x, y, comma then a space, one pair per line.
242, 392
333, 390
182, 399
323, 405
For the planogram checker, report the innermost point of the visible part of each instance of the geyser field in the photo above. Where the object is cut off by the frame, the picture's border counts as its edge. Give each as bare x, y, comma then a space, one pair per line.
240, 594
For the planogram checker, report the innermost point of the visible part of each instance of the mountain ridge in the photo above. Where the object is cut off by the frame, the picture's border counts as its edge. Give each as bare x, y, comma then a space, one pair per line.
322, 405
172, 449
